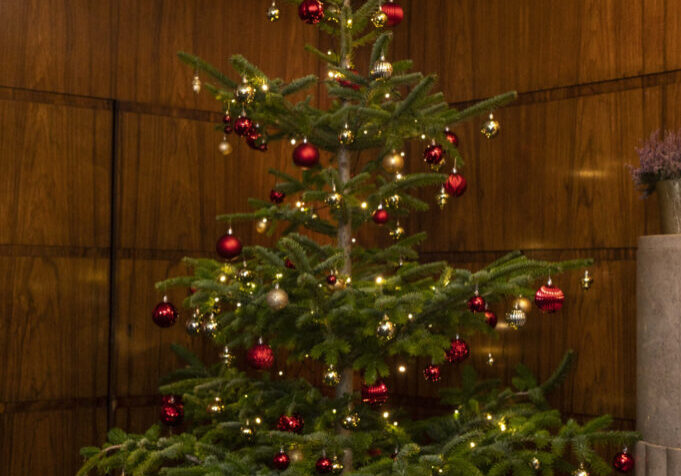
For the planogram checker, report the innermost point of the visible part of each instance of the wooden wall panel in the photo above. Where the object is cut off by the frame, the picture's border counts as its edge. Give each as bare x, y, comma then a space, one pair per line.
54, 175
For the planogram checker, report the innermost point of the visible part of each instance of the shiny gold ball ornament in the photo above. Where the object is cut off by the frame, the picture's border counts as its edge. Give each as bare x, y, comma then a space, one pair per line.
196, 83
334, 200
336, 466
226, 356
351, 421
379, 19
442, 198
535, 464
522, 303
581, 471
393, 201
397, 233
273, 12
277, 299
516, 318
245, 275
245, 93
386, 329
215, 407
331, 377
247, 431
210, 326
393, 162
262, 225
225, 147
586, 281
346, 136
381, 69
490, 128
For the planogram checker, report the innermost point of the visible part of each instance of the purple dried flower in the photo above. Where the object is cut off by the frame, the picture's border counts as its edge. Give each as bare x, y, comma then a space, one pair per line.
660, 160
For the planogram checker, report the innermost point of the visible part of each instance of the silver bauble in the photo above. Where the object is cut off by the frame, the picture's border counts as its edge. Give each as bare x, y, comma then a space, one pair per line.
381, 69
490, 127
386, 329
273, 13
226, 356
351, 421
210, 326
193, 327
277, 299
244, 92
331, 377
516, 318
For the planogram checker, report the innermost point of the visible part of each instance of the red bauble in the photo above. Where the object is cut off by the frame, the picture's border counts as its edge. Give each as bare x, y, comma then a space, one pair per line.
490, 319
456, 184
434, 154
458, 352
306, 155
242, 125
395, 13
228, 122
374, 452
331, 279
380, 216
276, 196
452, 138
346, 83
293, 423
623, 462
311, 11
228, 246
432, 373
324, 465
164, 315
549, 298
260, 356
281, 460
255, 140
376, 394
476, 304
172, 411
289, 264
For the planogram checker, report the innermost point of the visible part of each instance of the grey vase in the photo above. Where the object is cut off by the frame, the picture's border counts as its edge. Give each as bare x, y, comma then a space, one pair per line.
669, 198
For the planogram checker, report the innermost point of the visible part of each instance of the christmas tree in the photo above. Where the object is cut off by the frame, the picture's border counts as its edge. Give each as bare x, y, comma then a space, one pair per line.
319, 295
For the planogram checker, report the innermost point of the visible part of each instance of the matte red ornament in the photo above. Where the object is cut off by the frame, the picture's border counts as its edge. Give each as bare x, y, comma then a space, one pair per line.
346, 83
228, 122
381, 216
395, 13
311, 11
260, 356
293, 423
476, 304
491, 319
331, 279
374, 452
289, 264
549, 298
452, 138
172, 410
623, 462
432, 373
242, 125
376, 394
324, 465
165, 314
276, 196
458, 352
456, 184
434, 154
281, 460
228, 246
306, 155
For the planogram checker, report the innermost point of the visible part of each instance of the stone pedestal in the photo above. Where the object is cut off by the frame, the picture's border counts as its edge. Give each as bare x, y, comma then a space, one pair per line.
658, 366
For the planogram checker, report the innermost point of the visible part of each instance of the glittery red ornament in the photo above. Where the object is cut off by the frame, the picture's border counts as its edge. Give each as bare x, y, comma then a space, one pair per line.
289, 264
260, 356
281, 460
395, 13
255, 140
165, 314
490, 319
455, 185
172, 410
452, 138
276, 196
311, 11
376, 394
291, 423
458, 352
434, 154
228, 246
242, 125
324, 465
306, 155
346, 83
432, 373
476, 304
331, 279
623, 462
228, 122
549, 298
380, 216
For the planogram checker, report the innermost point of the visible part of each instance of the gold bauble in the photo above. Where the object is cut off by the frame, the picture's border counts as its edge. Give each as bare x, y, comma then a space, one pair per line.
351, 421
331, 13
393, 201
346, 136
442, 198
216, 406
245, 93
397, 233
586, 281
386, 329
581, 471
334, 200
196, 84
522, 303
393, 162
277, 299
261, 225
226, 356
248, 432
245, 275
336, 466
490, 128
379, 19
225, 147
273, 13
516, 318
535, 463
331, 377
381, 69
295, 454
210, 327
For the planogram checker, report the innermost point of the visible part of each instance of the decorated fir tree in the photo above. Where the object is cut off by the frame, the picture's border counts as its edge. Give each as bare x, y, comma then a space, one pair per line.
320, 295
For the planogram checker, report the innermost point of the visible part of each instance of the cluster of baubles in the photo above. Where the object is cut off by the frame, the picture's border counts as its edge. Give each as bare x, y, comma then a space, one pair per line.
314, 11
